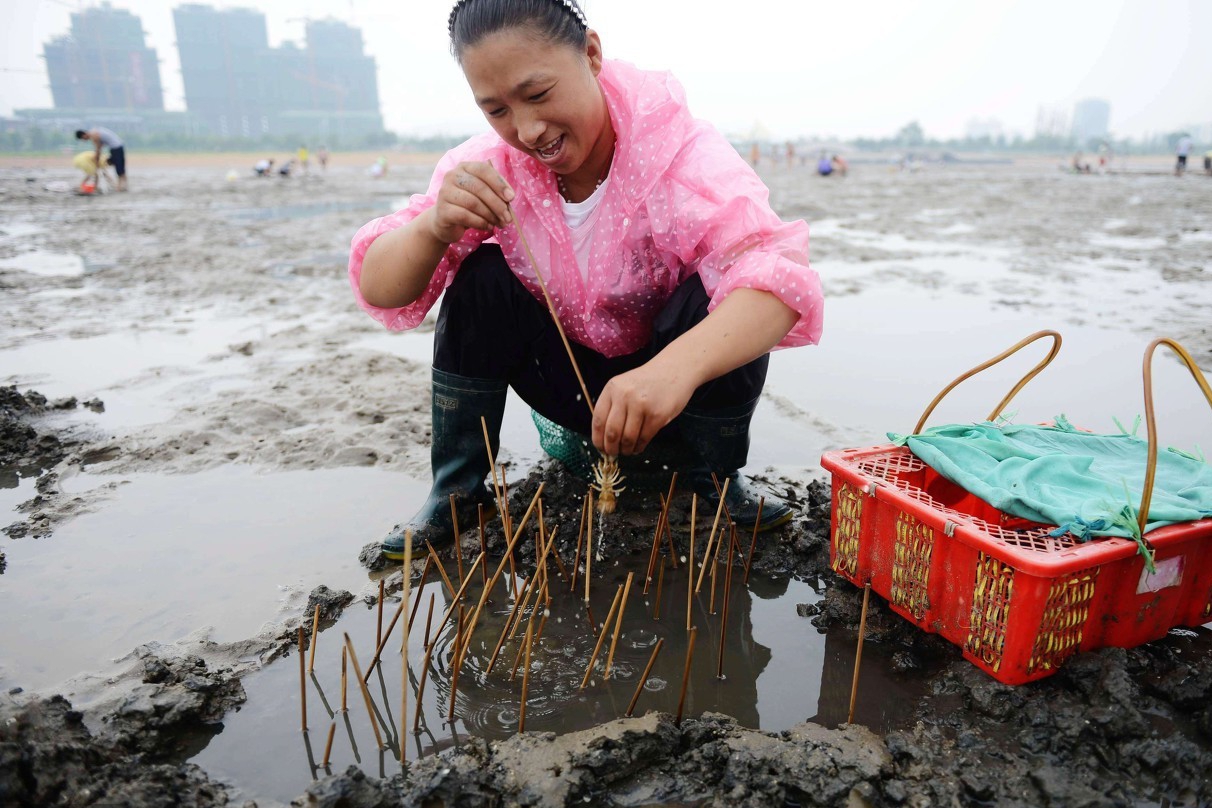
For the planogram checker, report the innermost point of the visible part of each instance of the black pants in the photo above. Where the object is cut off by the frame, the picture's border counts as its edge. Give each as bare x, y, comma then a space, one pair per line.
490, 327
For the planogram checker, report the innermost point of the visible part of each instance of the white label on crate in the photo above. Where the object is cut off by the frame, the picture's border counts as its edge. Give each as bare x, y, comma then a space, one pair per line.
1169, 573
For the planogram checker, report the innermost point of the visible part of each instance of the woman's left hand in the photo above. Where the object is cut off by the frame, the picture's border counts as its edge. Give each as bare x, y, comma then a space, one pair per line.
634, 406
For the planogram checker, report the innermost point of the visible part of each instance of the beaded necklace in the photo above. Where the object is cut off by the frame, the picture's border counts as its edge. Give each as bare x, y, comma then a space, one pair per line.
601, 179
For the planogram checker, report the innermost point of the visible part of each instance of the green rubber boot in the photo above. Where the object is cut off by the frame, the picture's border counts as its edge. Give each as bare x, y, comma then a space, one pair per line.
458, 458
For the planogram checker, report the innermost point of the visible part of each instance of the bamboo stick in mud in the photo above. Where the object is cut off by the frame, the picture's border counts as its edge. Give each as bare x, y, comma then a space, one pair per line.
458, 546
753, 541
416, 721
719, 671
694, 512
332, 731
711, 539
344, 680
686, 676
656, 538
656, 609
492, 582
589, 548
644, 678
517, 660
618, 626
525, 680
858, 654
407, 571
437, 562
302, 682
602, 637
576, 563
315, 625
379, 620
370, 710
483, 545
412, 616
492, 464
454, 672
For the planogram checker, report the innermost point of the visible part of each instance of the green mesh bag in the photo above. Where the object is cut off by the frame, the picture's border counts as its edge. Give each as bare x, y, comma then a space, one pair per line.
574, 451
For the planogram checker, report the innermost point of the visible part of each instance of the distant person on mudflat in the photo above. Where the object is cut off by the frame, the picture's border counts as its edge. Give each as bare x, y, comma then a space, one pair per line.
322, 158
670, 273
302, 158
1181, 150
839, 165
1208, 162
263, 167
824, 166
102, 137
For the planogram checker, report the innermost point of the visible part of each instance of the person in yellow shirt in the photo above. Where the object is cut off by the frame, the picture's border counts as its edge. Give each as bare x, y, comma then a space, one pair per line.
302, 158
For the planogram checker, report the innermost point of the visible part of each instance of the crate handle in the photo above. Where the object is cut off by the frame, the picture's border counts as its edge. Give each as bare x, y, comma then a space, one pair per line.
1151, 469
1056, 344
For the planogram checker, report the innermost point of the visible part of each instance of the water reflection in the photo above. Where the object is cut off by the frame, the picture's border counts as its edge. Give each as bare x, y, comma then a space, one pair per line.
778, 670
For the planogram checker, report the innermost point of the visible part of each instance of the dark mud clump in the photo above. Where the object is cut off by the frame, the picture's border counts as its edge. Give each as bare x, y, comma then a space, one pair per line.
643, 761
28, 449
48, 756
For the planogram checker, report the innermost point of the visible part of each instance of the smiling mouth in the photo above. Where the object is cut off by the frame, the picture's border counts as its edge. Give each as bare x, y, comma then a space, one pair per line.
551, 149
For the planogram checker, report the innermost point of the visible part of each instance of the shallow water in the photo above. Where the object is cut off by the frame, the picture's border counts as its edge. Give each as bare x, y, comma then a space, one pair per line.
46, 264
778, 670
223, 552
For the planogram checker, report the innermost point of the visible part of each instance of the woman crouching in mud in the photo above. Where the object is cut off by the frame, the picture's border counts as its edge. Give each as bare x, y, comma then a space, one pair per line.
670, 273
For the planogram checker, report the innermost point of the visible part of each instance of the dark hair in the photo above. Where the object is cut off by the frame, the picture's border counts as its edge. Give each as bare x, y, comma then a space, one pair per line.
81, 134
558, 21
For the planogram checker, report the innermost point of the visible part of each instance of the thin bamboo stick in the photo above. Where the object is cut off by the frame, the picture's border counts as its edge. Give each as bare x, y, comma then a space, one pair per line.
302, 682
602, 637
492, 464
694, 509
332, 731
673, 551
458, 545
453, 602
525, 679
517, 660
858, 653
508, 554
576, 563
647, 670
656, 610
686, 676
412, 616
379, 620
454, 674
719, 671
589, 548
559, 326
656, 538
315, 626
437, 562
407, 573
370, 710
416, 720
483, 545
711, 539
753, 541
711, 603
344, 680
618, 626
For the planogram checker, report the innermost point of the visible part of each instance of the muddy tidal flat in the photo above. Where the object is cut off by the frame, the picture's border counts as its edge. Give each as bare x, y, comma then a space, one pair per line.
202, 439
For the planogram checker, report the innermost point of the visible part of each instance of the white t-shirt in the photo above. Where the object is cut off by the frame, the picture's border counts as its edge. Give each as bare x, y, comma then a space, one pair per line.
582, 219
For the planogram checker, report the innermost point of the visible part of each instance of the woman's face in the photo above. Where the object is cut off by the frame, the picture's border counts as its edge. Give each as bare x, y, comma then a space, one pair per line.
542, 98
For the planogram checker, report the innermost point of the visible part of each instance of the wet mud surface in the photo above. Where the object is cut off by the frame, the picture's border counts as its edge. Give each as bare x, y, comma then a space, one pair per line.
262, 365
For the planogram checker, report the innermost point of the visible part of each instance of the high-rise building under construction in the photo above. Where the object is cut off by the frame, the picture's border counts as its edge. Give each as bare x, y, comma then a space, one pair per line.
104, 63
238, 86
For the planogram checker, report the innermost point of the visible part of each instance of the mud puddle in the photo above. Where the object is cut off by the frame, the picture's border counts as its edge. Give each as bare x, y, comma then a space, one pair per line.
222, 555
309, 209
778, 670
45, 264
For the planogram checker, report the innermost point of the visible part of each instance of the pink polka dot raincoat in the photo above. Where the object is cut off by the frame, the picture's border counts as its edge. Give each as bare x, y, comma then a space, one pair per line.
680, 200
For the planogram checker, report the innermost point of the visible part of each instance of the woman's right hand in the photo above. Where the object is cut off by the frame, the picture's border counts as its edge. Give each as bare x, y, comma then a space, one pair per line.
473, 196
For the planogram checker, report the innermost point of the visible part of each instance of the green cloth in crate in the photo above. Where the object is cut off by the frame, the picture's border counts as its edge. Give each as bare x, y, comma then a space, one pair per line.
1087, 484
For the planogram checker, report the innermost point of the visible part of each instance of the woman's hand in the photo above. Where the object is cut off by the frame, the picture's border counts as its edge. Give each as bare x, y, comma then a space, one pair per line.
634, 406
473, 196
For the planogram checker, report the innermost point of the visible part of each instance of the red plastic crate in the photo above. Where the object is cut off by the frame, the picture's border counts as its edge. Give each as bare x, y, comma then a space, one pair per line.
1016, 600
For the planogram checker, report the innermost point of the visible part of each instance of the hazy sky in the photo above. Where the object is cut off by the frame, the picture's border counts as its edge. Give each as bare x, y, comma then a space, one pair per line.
788, 67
